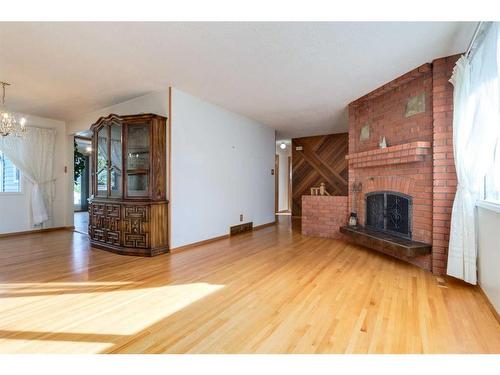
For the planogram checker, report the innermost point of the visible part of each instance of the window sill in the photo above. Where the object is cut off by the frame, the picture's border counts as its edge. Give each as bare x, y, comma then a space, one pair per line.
488, 205
6, 193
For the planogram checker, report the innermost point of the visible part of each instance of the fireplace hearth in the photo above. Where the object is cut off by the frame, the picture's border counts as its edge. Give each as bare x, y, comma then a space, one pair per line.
388, 217
389, 212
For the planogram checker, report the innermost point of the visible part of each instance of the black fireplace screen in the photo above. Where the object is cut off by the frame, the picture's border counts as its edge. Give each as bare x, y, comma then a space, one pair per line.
389, 212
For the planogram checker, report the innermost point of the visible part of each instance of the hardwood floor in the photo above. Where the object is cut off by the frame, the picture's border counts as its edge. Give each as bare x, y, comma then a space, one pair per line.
270, 291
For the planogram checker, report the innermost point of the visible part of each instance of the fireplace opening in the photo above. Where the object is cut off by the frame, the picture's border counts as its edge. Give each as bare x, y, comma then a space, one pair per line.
389, 212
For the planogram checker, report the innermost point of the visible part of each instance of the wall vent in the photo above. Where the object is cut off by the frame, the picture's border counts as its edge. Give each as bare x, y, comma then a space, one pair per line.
237, 229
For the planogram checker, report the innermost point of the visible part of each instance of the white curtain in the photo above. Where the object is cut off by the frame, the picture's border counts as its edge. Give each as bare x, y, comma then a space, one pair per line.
33, 155
476, 125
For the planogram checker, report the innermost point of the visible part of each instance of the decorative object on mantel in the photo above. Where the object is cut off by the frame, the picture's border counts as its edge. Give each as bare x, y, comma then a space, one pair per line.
10, 124
321, 190
383, 143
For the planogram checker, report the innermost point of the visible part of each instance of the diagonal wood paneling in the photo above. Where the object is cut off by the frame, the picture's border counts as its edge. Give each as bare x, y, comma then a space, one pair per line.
322, 159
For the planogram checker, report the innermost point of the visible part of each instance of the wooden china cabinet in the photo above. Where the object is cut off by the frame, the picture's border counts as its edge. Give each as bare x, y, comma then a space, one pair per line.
128, 210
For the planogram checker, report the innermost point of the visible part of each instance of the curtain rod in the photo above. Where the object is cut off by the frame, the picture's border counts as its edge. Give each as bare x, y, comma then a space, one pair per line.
474, 36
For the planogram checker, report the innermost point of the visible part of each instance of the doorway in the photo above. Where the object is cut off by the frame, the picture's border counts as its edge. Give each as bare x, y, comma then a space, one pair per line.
81, 186
283, 185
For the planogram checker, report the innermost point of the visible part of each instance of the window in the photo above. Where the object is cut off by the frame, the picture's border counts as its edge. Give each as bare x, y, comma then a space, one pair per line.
10, 177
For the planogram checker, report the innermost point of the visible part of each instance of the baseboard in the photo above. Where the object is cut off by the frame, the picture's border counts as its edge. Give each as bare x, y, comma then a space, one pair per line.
262, 226
488, 302
35, 231
204, 242
199, 243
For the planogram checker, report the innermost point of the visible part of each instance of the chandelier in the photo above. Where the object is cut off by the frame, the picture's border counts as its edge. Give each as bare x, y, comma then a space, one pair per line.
10, 123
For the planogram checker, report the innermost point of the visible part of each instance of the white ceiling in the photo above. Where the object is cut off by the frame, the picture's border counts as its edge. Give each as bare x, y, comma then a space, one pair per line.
295, 77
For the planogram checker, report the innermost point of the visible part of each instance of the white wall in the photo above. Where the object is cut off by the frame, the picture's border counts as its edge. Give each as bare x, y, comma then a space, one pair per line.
155, 102
15, 208
221, 168
283, 202
489, 254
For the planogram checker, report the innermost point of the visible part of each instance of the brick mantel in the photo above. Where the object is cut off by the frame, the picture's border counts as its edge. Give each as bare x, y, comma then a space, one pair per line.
399, 154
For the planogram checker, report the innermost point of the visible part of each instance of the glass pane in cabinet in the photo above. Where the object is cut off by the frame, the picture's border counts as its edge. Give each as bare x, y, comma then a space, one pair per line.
102, 162
138, 147
116, 161
138, 184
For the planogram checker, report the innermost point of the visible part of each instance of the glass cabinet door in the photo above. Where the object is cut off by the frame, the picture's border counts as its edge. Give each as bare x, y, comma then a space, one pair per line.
102, 162
116, 167
137, 159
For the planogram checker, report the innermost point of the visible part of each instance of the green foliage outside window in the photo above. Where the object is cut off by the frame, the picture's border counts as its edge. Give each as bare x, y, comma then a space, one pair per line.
79, 162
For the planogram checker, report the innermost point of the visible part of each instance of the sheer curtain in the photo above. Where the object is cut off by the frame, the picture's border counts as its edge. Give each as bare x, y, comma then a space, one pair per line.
33, 155
476, 126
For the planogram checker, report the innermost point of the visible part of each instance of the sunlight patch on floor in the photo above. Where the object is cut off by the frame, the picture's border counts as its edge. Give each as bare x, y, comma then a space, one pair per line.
87, 317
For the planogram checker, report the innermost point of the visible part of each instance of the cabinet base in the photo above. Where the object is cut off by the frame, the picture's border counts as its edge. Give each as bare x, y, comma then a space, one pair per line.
133, 251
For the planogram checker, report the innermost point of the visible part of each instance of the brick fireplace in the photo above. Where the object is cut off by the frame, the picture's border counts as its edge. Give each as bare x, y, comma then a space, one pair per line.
414, 113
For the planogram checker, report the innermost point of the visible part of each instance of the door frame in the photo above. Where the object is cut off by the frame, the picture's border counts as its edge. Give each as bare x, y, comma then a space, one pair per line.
289, 183
276, 182
86, 174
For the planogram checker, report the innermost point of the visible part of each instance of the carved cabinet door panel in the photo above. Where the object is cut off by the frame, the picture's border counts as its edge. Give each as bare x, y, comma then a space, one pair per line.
136, 226
97, 222
113, 228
